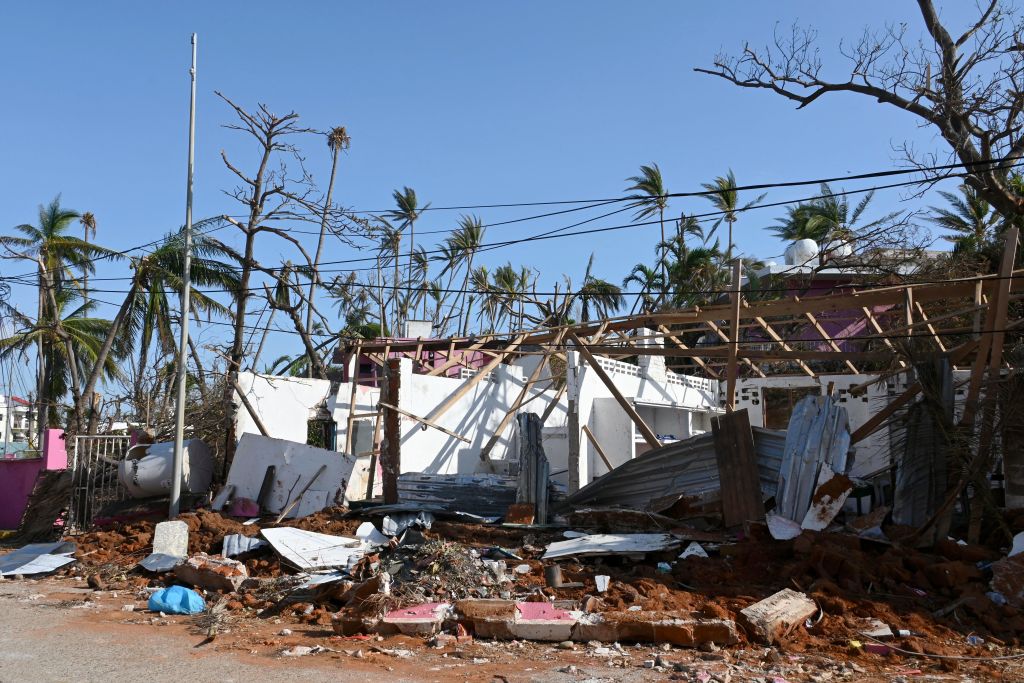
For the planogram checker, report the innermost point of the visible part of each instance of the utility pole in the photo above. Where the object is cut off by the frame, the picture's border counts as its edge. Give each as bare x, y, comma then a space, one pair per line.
186, 286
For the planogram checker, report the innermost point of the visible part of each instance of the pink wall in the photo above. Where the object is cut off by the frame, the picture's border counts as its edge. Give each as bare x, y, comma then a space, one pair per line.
18, 477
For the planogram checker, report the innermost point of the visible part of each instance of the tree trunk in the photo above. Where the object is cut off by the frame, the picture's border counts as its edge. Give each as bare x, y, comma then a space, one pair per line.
320, 248
86, 401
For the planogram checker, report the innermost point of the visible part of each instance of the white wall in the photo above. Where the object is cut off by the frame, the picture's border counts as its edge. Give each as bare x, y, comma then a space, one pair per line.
284, 404
680, 398
475, 416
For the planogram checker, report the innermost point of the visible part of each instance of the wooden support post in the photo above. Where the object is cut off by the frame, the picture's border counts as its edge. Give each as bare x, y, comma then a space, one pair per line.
724, 337
391, 448
908, 306
353, 377
649, 436
485, 452
978, 294
829, 340
737, 468
424, 421
734, 342
374, 453
679, 342
597, 447
575, 482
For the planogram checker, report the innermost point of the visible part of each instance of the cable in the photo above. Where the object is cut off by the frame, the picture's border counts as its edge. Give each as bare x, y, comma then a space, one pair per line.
992, 164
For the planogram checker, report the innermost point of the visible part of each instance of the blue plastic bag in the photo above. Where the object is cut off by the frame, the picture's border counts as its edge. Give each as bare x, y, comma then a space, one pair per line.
177, 600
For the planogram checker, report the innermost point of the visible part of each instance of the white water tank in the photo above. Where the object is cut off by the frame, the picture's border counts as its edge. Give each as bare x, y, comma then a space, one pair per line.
838, 249
801, 252
147, 469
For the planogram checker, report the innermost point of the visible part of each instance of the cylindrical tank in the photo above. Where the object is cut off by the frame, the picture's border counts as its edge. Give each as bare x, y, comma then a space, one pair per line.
801, 252
147, 469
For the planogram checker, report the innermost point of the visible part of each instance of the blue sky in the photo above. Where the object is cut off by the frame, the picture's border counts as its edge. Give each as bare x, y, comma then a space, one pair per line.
466, 102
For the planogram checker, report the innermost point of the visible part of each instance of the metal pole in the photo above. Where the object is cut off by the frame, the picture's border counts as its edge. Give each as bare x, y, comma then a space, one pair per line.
186, 285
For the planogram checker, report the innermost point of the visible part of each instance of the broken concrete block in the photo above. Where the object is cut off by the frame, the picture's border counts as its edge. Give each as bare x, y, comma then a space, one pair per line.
212, 572
654, 627
347, 623
542, 621
418, 620
170, 547
775, 616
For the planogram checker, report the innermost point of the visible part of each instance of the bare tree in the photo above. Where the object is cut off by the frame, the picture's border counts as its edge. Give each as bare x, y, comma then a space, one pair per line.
271, 193
970, 87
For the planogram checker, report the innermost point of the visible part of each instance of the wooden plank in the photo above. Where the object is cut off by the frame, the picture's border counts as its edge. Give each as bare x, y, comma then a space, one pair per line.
391, 447
553, 404
737, 468
724, 337
464, 388
645, 431
829, 340
597, 447
734, 331
575, 481
425, 421
452, 360
931, 328
353, 377
878, 330
723, 352
678, 342
785, 347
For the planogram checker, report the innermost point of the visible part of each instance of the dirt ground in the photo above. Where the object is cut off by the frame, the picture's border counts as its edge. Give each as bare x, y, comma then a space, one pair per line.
939, 596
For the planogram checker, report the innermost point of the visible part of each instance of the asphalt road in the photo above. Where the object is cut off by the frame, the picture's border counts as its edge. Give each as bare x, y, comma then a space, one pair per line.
41, 643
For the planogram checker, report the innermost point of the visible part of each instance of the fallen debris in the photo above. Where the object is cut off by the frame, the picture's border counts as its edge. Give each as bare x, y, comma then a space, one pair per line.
633, 545
37, 558
170, 547
212, 572
310, 550
774, 617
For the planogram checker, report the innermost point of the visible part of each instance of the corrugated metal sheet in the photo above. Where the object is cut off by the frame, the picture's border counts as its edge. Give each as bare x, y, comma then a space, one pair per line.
818, 436
487, 495
769, 444
686, 469
658, 478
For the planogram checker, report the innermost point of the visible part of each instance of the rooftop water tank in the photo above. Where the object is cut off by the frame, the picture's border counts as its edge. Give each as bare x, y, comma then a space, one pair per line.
147, 468
801, 252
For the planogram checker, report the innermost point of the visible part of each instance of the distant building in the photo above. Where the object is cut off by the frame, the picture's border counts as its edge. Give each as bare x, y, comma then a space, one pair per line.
17, 423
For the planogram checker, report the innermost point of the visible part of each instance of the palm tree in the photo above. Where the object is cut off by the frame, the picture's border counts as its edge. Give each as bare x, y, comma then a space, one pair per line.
58, 256
827, 217
725, 198
66, 355
604, 297
163, 284
406, 213
88, 221
338, 141
462, 245
652, 287
649, 196
970, 219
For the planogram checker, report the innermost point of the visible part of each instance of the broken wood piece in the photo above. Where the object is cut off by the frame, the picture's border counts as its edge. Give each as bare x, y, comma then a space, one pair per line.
649, 436
289, 506
425, 421
597, 447
737, 468
776, 616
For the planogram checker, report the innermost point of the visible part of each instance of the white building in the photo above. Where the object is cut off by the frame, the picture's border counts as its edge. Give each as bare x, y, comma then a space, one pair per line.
15, 421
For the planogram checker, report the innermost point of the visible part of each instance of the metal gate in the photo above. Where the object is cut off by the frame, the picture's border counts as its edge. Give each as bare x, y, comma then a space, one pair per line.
94, 482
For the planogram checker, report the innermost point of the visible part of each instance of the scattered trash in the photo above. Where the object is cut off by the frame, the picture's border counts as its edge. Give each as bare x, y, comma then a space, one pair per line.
36, 558
635, 545
236, 544
693, 550
602, 582
176, 600
310, 550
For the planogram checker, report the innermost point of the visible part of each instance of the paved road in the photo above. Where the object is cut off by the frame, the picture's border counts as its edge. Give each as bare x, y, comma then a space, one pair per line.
40, 643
